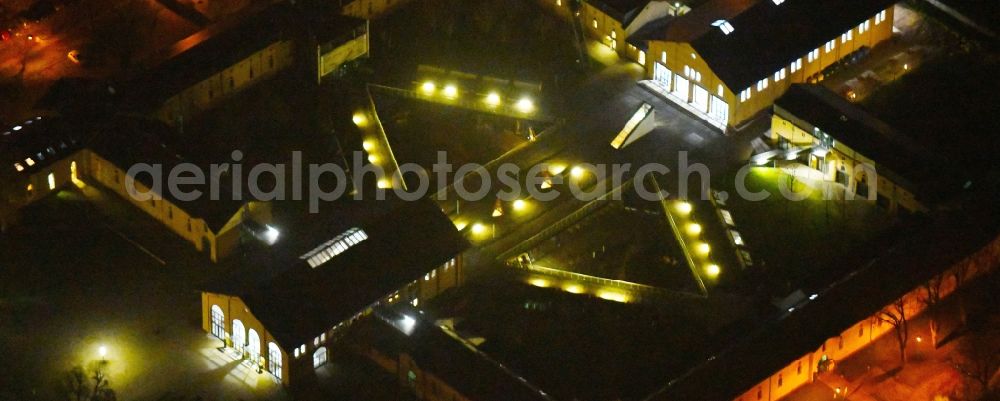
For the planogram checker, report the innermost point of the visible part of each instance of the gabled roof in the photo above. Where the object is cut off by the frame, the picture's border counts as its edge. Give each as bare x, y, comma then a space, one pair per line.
896, 155
126, 142
296, 302
765, 36
470, 372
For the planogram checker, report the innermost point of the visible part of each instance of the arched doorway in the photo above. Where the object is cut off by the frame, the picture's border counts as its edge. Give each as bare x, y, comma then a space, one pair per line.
320, 357
239, 337
253, 345
274, 359
218, 322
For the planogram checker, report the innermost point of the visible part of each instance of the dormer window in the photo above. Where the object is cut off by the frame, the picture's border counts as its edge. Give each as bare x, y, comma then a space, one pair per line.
724, 25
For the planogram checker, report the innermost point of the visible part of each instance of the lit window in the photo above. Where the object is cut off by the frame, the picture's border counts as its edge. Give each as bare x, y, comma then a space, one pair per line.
663, 57
693, 57
18, 167
745, 95
319, 357
29, 161
796, 65
720, 90
831, 45
642, 57
846, 36
737, 238
296, 352
559, 2
316, 342
813, 55
880, 17
762, 84
724, 25
728, 217
334, 247
779, 75
594, 24
322, 337
52, 181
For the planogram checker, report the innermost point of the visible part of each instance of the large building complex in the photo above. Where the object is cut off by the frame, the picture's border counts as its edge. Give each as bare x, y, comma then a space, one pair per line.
284, 304
728, 60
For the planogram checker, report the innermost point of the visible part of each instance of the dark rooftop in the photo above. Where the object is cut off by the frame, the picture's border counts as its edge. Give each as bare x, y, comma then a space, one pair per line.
297, 302
461, 366
620, 10
898, 156
766, 36
42, 140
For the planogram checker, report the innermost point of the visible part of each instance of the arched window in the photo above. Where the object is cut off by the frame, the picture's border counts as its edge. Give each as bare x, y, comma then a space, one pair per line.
239, 336
274, 359
319, 357
253, 345
218, 322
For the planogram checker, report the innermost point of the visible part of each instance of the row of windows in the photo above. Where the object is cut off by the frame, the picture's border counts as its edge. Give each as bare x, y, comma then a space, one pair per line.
334, 247
812, 56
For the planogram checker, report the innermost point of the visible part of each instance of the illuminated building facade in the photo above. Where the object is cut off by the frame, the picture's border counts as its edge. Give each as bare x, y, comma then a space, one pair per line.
285, 304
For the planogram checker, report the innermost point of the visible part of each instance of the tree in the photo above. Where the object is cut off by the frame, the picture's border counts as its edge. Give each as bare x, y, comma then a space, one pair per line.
932, 300
978, 360
895, 315
81, 385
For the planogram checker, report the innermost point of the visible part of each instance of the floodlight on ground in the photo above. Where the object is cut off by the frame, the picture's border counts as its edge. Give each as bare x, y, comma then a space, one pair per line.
519, 205
493, 99
359, 119
428, 87
525, 105
271, 234
703, 248
694, 228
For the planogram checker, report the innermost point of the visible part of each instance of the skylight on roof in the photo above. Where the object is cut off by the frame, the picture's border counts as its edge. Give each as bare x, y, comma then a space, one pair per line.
724, 25
778, 2
336, 246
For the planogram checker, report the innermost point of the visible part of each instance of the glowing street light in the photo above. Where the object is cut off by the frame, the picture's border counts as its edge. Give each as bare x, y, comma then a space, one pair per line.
702, 248
712, 270
525, 105
428, 87
450, 91
684, 208
539, 282
573, 288
694, 228
368, 145
493, 99
372, 159
384, 183
577, 172
103, 352
556, 169
359, 119
519, 205
478, 229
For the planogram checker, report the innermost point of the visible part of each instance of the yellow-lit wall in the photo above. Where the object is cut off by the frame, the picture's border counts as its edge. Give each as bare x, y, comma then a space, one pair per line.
222, 84
843, 156
234, 308
679, 54
602, 32
28, 188
371, 9
867, 331
333, 59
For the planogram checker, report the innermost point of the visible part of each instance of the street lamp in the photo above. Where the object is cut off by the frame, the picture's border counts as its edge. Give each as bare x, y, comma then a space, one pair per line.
577, 172
359, 119
713, 270
368, 145
103, 352
450, 91
519, 205
694, 228
525, 105
428, 87
493, 99
684, 208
